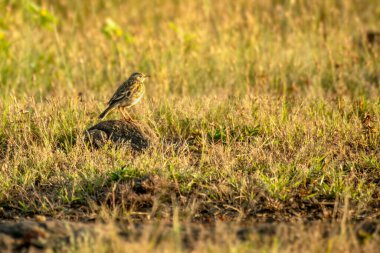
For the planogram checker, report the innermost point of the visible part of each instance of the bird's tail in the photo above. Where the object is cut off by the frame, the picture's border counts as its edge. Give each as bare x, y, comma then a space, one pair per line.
106, 111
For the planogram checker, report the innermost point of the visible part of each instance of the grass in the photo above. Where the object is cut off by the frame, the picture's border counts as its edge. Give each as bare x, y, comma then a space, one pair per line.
265, 110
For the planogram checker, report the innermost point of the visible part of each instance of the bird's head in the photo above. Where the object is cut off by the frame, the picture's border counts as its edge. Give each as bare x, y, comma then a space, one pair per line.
139, 76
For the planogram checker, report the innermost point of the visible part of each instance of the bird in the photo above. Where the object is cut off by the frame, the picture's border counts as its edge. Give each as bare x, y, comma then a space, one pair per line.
127, 95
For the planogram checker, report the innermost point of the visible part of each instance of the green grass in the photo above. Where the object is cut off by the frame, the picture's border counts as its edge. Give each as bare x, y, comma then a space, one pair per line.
258, 106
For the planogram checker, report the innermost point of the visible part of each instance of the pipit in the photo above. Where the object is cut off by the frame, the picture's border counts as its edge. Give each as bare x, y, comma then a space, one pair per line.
127, 95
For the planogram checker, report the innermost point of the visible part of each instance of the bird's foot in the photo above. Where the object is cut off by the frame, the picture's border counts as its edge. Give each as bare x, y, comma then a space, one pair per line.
129, 119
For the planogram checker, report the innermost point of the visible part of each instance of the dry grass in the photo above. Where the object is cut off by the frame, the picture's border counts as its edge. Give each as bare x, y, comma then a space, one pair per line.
265, 110
179, 237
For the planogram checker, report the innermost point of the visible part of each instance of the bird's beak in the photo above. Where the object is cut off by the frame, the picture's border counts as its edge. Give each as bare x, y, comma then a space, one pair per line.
147, 76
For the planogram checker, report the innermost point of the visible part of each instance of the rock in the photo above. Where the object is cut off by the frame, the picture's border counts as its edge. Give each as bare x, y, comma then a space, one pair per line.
120, 133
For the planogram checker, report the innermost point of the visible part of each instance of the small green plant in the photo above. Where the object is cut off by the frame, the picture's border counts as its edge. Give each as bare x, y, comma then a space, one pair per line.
113, 31
125, 172
24, 207
4, 43
239, 133
42, 16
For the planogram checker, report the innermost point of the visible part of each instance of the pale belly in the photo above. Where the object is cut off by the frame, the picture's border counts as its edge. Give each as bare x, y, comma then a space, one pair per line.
136, 100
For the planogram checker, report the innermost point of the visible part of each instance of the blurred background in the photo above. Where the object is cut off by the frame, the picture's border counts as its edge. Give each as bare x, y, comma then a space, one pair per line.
191, 48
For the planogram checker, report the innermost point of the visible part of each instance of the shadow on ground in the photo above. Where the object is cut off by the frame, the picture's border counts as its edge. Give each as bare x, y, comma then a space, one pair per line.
41, 235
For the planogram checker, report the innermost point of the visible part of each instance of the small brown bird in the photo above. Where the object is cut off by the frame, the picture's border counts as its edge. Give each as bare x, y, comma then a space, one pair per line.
127, 95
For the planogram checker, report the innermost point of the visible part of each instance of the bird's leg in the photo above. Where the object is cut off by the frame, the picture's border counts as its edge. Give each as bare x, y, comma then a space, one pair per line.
129, 116
124, 116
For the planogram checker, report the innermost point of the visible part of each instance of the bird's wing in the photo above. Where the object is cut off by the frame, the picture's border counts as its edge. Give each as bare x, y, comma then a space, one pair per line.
122, 92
